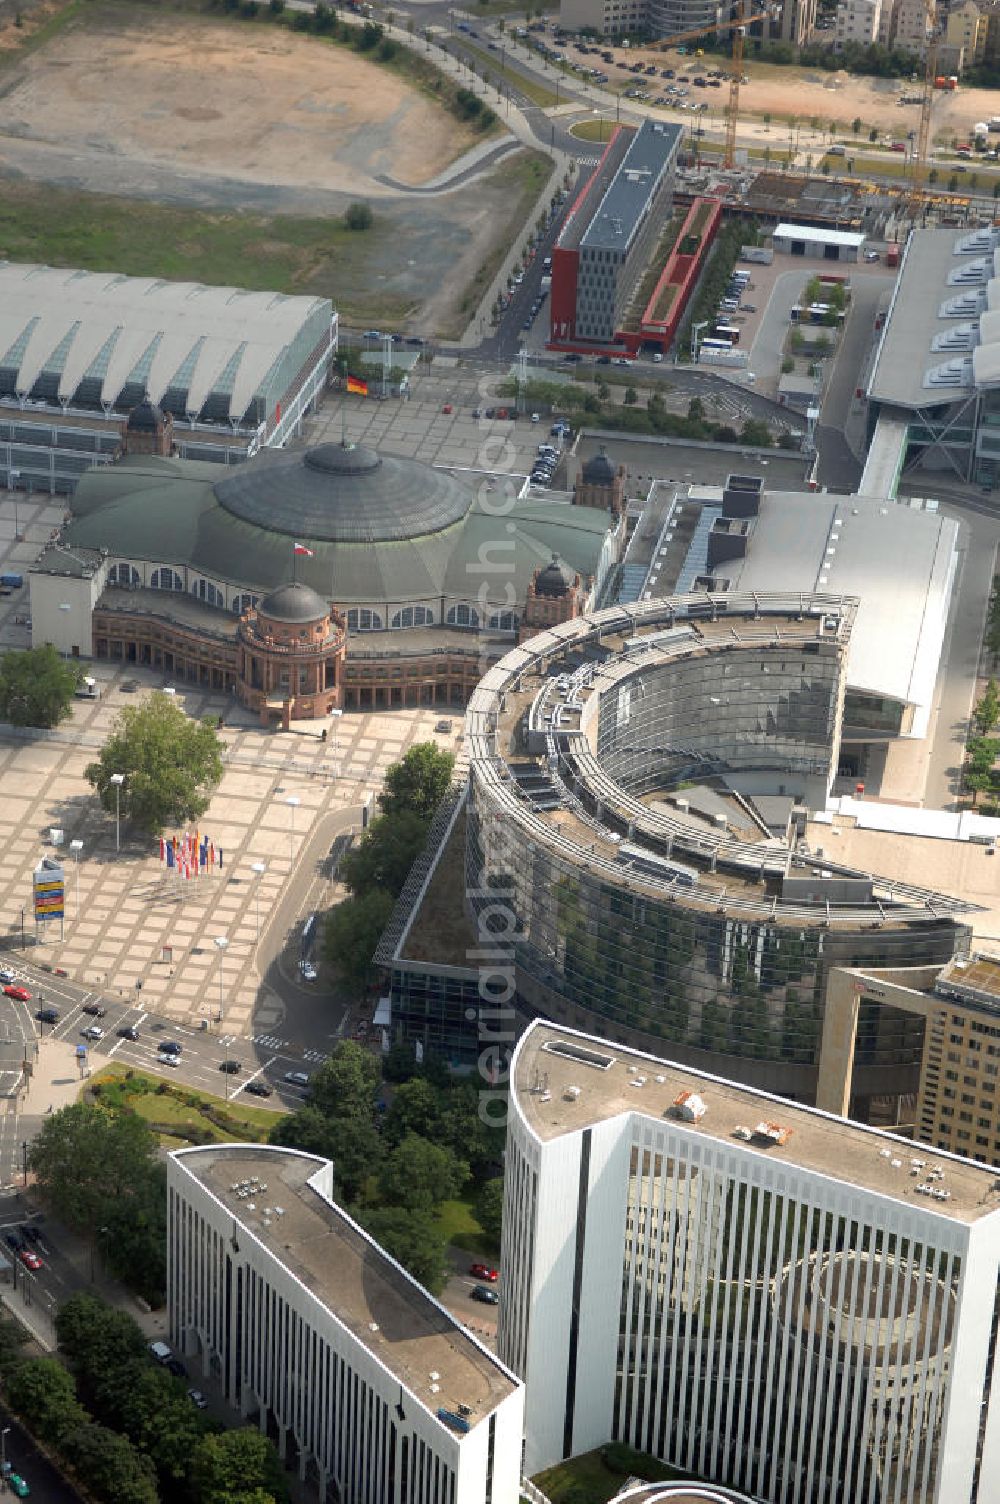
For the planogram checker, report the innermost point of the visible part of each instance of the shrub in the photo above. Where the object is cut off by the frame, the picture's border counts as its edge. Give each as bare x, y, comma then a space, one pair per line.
359, 217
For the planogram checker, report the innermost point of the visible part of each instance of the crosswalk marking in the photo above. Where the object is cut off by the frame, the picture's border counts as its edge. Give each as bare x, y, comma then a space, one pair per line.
271, 1041
316, 1057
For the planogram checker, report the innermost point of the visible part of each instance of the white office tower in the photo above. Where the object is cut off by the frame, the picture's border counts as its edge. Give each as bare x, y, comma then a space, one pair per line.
762, 1294
361, 1378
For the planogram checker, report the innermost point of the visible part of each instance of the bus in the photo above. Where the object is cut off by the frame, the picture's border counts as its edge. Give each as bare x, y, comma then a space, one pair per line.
727, 331
716, 344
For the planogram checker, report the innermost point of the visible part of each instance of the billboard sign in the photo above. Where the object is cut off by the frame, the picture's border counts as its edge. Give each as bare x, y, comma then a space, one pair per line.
49, 891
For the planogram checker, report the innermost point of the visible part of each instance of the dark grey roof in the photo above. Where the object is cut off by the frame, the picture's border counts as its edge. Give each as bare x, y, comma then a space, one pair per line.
598, 470
651, 155
295, 602
167, 511
554, 579
343, 494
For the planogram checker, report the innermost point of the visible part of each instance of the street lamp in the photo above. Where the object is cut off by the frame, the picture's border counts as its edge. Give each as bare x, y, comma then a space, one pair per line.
118, 779
259, 868
695, 331
3, 1450
293, 801
13, 476
221, 943
76, 847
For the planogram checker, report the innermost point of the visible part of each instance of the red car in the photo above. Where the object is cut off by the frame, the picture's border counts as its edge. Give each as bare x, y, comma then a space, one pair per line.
483, 1271
20, 993
447, 408
30, 1259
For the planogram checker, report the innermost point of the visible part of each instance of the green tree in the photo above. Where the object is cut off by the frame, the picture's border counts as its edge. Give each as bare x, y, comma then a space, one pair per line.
856, 125
987, 711
414, 1239
756, 432
603, 391
171, 765
631, 396
351, 933
418, 782
135, 1245
359, 217
153, 1410
401, 1062
345, 1085
418, 1174
696, 410
36, 687
354, 1146
86, 1160
385, 853
415, 1108
229, 1468
97, 1341
873, 134
109, 1466
489, 1207
44, 1395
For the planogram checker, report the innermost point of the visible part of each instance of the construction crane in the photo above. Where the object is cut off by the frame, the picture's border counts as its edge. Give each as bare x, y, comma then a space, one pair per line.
922, 151
738, 25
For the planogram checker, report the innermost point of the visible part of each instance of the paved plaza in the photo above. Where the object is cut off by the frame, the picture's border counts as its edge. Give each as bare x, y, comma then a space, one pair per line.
128, 920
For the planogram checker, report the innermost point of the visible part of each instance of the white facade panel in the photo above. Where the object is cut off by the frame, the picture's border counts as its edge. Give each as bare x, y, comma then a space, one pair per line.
293, 1362
748, 1318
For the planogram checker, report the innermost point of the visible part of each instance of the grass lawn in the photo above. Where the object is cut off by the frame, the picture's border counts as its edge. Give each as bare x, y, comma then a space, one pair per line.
593, 130
489, 66
162, 1102
457, 1220
588, 1478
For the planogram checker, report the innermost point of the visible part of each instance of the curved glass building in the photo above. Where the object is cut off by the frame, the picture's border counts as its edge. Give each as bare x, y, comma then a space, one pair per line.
635, 777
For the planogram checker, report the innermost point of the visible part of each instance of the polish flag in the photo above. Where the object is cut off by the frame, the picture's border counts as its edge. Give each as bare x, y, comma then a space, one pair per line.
300, 548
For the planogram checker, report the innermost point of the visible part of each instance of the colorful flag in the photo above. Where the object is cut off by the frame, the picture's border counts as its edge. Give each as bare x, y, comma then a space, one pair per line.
300, 548
170, 854
355, 384
163, 849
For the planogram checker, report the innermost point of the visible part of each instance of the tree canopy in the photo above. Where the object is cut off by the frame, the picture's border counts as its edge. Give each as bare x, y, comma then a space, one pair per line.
43, 1393
385, 853
351, 933
419, 1174
36, 687
171, 765
85, 1159
109, 1466
414, 1239
237, 1466
418, 782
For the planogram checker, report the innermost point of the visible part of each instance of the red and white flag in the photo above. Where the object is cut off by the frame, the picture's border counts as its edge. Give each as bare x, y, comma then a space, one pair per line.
300, 548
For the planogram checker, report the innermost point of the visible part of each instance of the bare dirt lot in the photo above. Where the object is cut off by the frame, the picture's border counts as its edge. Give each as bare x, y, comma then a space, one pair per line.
259, 103
248, 138
807, 94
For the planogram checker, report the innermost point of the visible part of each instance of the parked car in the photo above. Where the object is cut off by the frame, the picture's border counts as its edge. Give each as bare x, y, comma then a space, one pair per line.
484, 1271
447, 408
94, 1009
6, 977
296, 1078
230, 1067
47, 1016
257, 1089
485, 1295
307, 971
18, 1485
197, 1399
129, 1032
29, 1258
172, 1060
170, 1047
19, 994
14, 1240
176, 1367
92, 1032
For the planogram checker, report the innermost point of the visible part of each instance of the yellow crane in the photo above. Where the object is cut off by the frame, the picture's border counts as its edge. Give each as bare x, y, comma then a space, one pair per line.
922, 151
738, 25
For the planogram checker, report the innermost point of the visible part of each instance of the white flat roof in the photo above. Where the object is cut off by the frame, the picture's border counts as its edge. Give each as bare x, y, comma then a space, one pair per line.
898, 562
158, 334
818, 237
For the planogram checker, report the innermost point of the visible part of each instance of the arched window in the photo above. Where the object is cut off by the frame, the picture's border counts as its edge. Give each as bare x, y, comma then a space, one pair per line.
243, 603
363, 620
165, 579
504, 621
209, 593
126, 575
413, 616
463, 616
